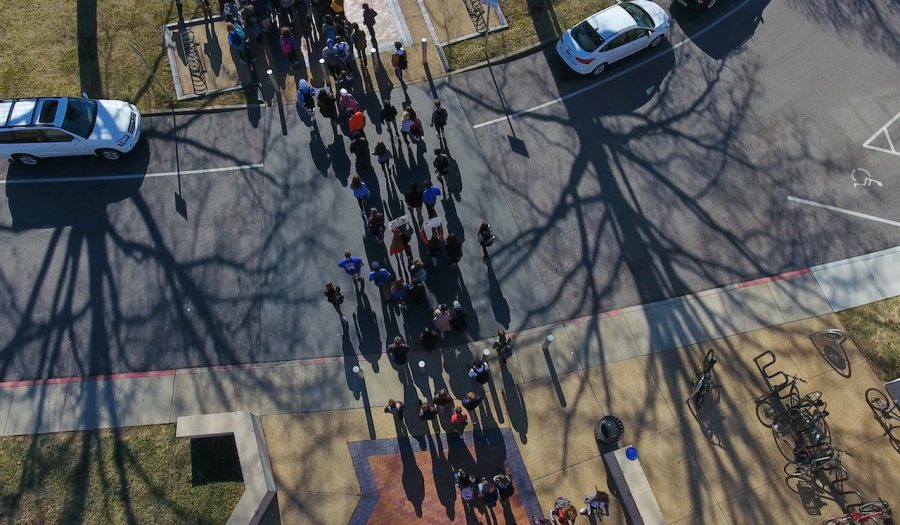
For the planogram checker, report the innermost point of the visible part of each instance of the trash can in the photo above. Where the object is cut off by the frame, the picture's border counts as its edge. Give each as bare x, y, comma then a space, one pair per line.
609, 429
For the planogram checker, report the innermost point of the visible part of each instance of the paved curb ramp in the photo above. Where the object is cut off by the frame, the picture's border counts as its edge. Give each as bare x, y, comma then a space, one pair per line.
256, 468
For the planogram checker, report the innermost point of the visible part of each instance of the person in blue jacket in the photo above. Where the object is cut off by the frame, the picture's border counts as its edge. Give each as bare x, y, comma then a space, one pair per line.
382, 277
352, 266
429, 196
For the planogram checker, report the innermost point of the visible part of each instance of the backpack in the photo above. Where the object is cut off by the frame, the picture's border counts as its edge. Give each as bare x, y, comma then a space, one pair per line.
286, 45
359, 40
440, 117
309, 101
331, 56
467, 493
401, 60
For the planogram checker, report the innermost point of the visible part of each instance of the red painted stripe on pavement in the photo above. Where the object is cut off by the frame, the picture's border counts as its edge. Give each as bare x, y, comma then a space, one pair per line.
80, 379
779, 277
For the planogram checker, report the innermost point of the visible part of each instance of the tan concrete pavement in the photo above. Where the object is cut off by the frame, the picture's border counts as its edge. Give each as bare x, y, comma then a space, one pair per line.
723, 467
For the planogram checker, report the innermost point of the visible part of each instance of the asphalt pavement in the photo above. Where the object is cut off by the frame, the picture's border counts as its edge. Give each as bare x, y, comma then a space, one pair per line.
670, 174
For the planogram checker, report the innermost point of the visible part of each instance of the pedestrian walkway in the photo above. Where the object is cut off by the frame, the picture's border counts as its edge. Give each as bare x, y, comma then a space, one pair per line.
202, 63
312, 385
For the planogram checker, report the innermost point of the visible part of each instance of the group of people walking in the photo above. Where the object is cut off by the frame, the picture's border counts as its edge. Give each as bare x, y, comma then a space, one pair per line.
321, 23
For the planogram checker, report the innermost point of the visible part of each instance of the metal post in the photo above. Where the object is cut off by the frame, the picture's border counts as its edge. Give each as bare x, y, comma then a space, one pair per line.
486, 354
547, 342
324, 69
422, 366
357, 371
487, 29
272, 80
375, 61
424, 50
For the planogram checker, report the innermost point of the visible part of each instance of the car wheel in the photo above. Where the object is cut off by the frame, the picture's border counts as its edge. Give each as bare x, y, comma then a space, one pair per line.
109, 154
24, 158
599, 69
655, 42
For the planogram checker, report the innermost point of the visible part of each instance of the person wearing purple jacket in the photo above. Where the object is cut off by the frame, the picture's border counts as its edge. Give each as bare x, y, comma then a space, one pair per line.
352, 266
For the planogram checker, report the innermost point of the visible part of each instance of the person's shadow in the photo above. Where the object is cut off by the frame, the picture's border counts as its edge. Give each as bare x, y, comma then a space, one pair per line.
515, 408
499, 305
411, 477
367, 333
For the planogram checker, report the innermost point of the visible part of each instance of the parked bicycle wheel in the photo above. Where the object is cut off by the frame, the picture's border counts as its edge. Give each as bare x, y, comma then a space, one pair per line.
765, 412
876, 506
877, 401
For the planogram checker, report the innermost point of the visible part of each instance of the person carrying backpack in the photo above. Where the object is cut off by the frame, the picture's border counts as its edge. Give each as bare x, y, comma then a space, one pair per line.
399, 60
384, 157
306, 96
329, 29
334, 296
479, 371
438, 119
358, 36
369, 15
485, 238
237, 39
332, 57
347, 102
288, 46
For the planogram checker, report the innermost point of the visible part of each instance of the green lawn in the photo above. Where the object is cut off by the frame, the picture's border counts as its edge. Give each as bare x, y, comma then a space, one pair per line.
531, 22
130, 475
40, 52
875, 328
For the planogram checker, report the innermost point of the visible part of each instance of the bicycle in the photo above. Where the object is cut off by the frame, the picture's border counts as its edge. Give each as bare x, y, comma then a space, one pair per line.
703, 381
766, 410
812, 459
867, 512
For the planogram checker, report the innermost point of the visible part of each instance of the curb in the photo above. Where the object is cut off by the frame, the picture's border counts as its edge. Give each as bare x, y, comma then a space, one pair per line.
512, 55
198, 111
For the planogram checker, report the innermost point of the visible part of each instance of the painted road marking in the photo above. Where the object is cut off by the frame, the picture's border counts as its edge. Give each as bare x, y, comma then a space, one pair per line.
842, 210
133, 175
887, 142
867, 178
612, 77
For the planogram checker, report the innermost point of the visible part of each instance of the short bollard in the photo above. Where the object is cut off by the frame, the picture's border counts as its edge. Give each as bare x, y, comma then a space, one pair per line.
374, 52
547, 342
486, 354
424, 50
357, 371
422, 366
324, 69
272, 79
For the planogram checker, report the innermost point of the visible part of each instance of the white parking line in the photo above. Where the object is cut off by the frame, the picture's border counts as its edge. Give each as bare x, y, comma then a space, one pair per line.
132, 176
612, 77
842, 210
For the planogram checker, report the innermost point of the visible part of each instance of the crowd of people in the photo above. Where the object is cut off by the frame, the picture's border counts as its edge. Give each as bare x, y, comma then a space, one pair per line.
323, 25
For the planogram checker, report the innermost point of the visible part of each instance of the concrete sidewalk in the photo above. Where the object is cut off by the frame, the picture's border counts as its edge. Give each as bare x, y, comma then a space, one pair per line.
302, 386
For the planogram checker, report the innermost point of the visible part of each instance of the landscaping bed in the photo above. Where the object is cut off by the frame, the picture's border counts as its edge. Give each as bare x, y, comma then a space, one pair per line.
531, 22
875, 328
64, 47
128, 475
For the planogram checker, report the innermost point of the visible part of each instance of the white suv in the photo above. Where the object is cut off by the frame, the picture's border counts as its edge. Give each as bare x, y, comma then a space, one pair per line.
36, 128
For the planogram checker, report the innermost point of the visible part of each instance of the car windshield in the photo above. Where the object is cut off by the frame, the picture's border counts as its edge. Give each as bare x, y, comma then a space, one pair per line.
640, 16
80, 116
586, 37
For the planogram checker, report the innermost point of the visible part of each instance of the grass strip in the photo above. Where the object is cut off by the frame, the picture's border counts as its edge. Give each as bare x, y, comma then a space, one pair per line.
128, 475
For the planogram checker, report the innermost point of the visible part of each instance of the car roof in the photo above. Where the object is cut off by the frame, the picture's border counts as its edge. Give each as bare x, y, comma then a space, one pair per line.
25, 112
610, 21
